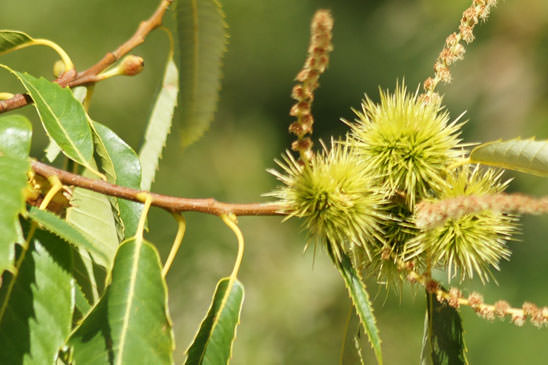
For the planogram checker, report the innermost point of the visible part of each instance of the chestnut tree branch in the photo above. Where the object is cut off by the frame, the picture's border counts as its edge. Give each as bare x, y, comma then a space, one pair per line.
170, 203
72, 79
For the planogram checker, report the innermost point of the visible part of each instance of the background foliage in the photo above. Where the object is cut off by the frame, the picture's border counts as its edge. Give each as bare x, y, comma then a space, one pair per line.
296, 308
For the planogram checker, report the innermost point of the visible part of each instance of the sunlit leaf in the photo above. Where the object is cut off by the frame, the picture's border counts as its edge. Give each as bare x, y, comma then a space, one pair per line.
159, 125
11, 39
15, 135
443, 342
131, 324
62, 115
528, 156
66, 231
91, 213
36, 318
122, 167
53, 150
13, 179
213, 342
362, 304
202, 43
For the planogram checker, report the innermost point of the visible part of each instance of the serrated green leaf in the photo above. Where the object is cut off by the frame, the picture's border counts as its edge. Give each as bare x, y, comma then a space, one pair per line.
443, 341
67, 232
360, 299
123, 168
528, 156
62, 116
86, 288
159, 124
213, 342
131, 324
13, 180
38, 316
91, 213
10, 40
15, 135
15, 138
53, 150
202, 43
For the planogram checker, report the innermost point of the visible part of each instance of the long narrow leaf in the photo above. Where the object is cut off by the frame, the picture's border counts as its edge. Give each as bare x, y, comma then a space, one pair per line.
63, 116
213, 342
91, 213
362, 304
66, 231
11, 39
443, 342
13, 179
159, 124
123, 168
131, 324
47, 221
202, 43
528, 156
15, 137
38, 315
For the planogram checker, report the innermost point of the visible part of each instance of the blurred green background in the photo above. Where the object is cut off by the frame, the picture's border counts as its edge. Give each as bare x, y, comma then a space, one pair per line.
295, 306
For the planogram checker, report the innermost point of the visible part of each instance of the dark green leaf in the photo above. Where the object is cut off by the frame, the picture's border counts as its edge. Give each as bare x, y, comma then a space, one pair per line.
37, 316
213, 342
202, 43
91, 340
11, 39
63, 117
159, 124
362, 304
131, 324
13, 180
15, 135
443, 342
528, 156
123, 168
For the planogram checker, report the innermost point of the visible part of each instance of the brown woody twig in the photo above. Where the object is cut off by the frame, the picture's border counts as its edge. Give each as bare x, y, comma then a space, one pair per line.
170, 203
89, 76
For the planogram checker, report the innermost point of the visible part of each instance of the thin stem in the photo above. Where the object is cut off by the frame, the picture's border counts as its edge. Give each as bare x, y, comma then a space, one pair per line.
89, 76
145, 27
345, 334
60, 51
56, 185
230, 221
176, 243
147, 199
170, 203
